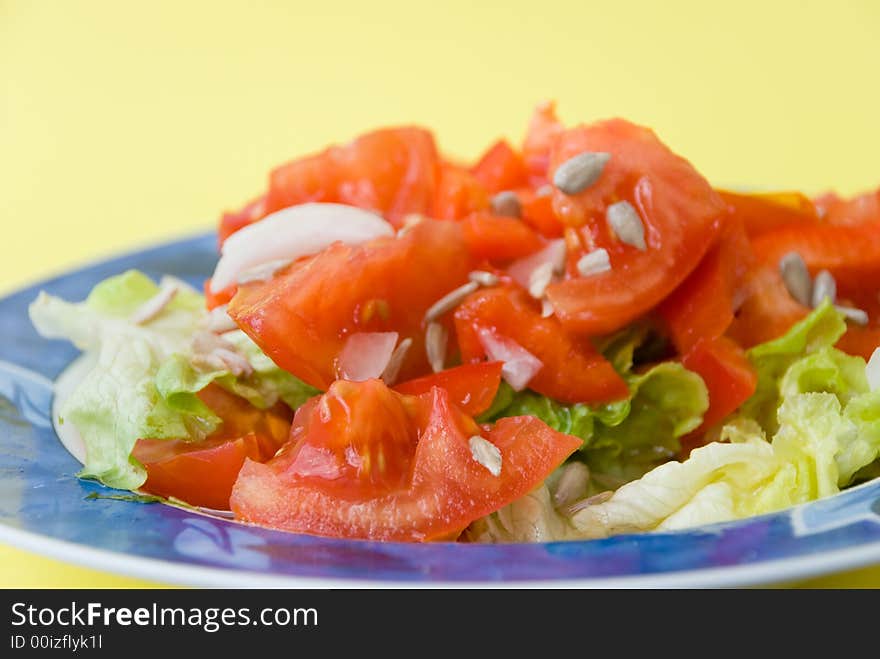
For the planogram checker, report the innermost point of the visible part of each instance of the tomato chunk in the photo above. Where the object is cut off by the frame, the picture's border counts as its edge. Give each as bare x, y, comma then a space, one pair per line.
471, 386
729, 376
203, 473
501, 168
542, 131
763, 212
232, 222
768, 311
573, 370
302, 317
497, 238
459, 193
434, 494
681, 214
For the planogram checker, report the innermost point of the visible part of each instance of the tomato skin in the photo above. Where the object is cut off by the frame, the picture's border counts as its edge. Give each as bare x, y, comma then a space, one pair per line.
850, 252
459, 193
302, 317
573, 372
681, 213
447, 490
501, 168
470, 386
702, 307
498, 239
391, 170
729, 376
768, 310
763, 212
203, 473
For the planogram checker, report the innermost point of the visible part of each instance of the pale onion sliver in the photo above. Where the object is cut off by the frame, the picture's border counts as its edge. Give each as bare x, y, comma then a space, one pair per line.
872, 370
366, 355
294, 232
520, 366
522, 269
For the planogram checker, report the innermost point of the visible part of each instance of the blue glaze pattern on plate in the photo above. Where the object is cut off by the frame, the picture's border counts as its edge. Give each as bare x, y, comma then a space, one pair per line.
44, 507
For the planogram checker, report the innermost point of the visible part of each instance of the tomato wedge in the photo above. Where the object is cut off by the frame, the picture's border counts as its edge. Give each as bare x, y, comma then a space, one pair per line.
498, 239
302, 317
703, 306
332, 483
471, 386
767, 211
538, 213
681, 213
232, 222
857, 210
392, 171
573, 370
543, 130
768, 310
500, 168
459, 193
203, 473
729, 376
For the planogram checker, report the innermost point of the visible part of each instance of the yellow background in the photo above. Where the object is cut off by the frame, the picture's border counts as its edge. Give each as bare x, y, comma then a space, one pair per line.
130, 122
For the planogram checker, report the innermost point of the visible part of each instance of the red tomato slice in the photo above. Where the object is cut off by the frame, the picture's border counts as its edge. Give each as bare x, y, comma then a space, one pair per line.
573, 372
850, 252
214, 300
392, 171
202, 473
763, 212
443, 491
471, 386
858, 210
729, 376
302, 317
498, 238
501, 168
459, 193
232, 222
681, 213
703, 306
537, 212
768, 310
543, 130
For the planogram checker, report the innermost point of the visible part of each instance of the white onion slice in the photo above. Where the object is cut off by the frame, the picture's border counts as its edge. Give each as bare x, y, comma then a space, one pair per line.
520, 366
872, 370
553, 252
365, 355
292, 233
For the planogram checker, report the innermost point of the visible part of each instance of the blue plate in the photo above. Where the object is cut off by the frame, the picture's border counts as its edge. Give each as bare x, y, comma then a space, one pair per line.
46, 509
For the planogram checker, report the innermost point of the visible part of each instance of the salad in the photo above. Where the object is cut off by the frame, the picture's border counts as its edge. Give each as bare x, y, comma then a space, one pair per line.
572, 338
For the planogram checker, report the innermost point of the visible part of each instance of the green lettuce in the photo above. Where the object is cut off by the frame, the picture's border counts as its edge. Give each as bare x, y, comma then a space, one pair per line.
143, 383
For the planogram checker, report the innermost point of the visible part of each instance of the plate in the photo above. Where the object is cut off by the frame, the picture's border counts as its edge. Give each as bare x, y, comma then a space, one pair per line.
44, 508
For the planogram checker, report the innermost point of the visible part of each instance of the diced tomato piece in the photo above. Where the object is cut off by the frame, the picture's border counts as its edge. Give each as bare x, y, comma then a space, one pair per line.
860, 341
767, 211
681, 214
729, 376
218, 299
407, 474
768, 310
703, 306
496, 238
392, 171
501, 168
843, 212
471, 386
203, 473
302, 317
459, 194
537, 212
543, 130
573, 371
232, 222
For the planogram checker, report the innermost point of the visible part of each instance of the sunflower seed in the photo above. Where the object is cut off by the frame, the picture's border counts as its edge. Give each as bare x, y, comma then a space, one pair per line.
580, 172
624, 221
154, 306
389, 375
450, 301
486, 453
544, 191
435, 346
857, 316
218, 320
594, 263
506, 203
483, 278
540, 279
824, 286
796, 277
546, 308
572, 485
263, 272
